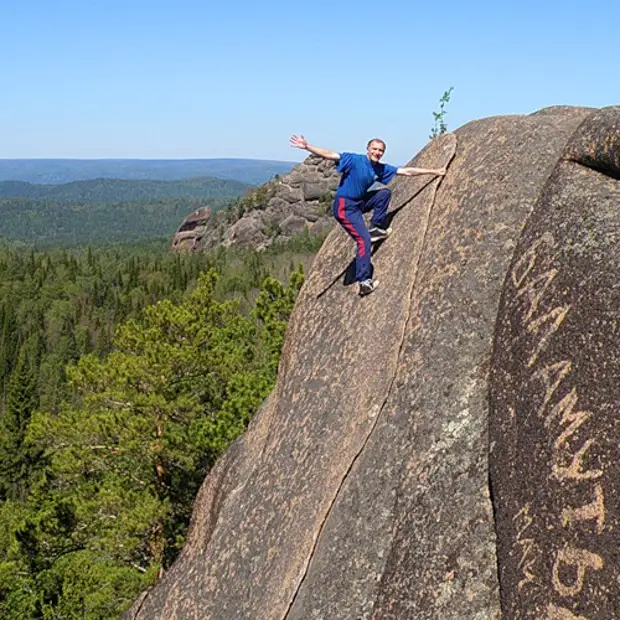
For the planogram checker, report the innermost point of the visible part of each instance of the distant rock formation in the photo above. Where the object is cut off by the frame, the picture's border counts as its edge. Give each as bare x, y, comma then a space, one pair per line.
276, 211
191, 231
490, 350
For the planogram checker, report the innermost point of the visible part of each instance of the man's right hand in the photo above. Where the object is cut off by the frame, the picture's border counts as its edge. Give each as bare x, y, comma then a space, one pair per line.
299, 142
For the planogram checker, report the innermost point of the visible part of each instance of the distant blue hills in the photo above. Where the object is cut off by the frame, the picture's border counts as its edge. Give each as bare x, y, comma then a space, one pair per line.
124, 190
57, 171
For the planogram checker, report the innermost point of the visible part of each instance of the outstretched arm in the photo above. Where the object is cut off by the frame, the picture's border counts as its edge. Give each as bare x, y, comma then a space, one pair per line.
414, 172
299, 142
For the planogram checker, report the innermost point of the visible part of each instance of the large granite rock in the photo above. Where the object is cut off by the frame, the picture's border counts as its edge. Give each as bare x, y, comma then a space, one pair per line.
361, 489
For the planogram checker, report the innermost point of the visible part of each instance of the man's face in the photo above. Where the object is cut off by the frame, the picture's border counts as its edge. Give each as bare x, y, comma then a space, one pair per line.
375, 151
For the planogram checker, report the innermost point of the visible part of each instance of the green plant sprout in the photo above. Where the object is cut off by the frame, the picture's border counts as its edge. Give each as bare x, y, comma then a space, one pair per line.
440, 127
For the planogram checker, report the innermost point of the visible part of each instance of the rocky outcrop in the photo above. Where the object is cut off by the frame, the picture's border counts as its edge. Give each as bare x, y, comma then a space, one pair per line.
191, 231
278, 210
361, 489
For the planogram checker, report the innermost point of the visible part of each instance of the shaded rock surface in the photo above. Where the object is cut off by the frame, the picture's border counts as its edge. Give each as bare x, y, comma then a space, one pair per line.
555, 391
361, 489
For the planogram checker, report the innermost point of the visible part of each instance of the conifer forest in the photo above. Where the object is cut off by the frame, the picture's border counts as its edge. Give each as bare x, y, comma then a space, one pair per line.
125, 371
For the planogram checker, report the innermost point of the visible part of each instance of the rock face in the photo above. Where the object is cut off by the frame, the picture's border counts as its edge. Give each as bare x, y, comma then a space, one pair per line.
361, 489
555, 391
286, 206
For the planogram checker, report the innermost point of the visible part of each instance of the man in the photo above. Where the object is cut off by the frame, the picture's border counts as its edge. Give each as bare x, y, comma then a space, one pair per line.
353, 199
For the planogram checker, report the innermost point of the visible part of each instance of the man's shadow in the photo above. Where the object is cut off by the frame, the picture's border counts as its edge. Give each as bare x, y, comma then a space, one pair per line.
348, 274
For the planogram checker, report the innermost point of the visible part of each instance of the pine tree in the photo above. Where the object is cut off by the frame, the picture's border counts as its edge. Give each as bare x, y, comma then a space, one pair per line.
22, 402
9, 345
272, 309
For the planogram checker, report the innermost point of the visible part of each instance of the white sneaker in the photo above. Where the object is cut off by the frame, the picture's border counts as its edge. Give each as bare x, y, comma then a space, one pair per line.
377, 233
367, 287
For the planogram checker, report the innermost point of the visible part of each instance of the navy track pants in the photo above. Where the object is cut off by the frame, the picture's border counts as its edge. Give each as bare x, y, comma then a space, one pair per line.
350, 215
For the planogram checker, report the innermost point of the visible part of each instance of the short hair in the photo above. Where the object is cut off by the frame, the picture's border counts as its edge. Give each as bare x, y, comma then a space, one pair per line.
376, 140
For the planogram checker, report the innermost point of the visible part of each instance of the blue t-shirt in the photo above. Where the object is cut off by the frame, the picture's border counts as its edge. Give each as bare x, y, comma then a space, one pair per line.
359, 173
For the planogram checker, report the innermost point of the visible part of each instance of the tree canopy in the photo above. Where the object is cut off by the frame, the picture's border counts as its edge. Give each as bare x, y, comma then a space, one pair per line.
124, 374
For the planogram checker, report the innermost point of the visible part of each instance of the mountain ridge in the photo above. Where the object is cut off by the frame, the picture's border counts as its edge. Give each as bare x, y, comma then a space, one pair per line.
55, 171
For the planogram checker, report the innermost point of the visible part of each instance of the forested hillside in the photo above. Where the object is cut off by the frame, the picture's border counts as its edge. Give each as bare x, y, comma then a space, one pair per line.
124, 372
101, 190
77, 223
106, 210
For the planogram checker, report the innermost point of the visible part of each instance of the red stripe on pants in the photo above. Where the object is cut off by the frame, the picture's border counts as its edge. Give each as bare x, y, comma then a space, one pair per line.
348, 226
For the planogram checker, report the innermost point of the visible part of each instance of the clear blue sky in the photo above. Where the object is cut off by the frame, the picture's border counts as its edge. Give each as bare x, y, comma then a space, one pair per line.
205, 78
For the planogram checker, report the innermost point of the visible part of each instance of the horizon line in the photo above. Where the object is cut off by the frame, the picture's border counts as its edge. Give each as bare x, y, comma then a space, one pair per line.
2, 158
